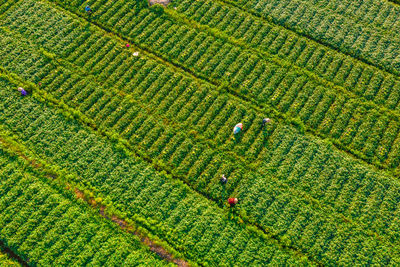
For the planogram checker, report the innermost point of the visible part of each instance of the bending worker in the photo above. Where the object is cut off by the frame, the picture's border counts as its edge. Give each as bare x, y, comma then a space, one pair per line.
22, 91
223, 179
265, 121
238, 128
232, 201
88, 9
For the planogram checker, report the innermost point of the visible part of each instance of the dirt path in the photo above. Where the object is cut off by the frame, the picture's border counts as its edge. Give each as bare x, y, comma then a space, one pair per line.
144, 239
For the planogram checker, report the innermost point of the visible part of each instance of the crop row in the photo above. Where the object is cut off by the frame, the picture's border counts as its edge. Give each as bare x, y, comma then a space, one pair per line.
266, 211
5, 260
45, 227
379, 14
352, 189
332, 115
5, 5
357, 77
371, 44
183, 218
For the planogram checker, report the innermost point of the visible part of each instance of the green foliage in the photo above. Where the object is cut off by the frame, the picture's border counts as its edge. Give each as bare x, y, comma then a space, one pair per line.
38, 222
142, 4
157, 9
5, 260
156, 137
91, 157
358, 31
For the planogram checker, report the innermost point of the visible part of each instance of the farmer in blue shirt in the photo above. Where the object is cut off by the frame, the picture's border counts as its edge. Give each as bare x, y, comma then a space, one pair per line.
22, 91
88, 9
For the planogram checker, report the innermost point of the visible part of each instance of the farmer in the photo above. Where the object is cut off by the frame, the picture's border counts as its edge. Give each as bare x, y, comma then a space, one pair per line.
265, 121
223, 179
232, 201
238, 128
88, 10
22, 91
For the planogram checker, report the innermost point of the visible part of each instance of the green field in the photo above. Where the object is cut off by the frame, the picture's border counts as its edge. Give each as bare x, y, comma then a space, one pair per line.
114, 157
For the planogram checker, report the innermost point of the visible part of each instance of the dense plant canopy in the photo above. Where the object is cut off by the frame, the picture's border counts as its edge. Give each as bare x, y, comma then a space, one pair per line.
116, 153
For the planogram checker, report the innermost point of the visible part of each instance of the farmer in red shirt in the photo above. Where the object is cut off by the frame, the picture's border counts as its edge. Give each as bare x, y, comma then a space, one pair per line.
232, 201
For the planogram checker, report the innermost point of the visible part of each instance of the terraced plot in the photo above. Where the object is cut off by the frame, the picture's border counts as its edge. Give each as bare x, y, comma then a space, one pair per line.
146, 131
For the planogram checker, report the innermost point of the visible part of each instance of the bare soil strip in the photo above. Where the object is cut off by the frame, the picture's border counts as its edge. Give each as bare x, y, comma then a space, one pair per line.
124, 225
145, 240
